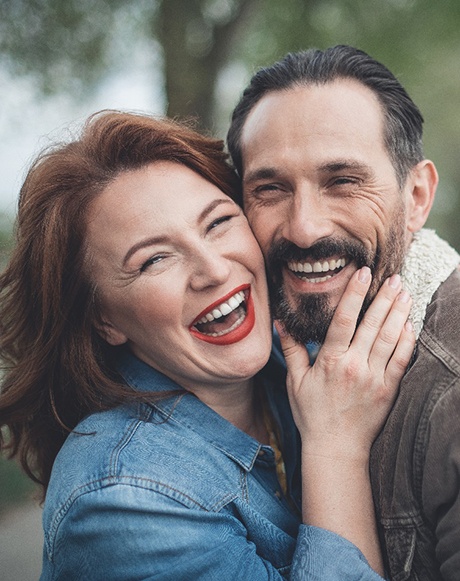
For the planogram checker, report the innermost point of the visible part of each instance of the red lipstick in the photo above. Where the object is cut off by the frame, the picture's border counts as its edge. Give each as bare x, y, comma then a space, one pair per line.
237, 334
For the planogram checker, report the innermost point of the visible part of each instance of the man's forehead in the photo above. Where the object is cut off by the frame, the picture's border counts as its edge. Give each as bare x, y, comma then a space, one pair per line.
343, 109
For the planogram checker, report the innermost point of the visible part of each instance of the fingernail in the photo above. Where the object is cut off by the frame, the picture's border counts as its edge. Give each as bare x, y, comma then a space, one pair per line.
364, 274
394, 281
409, 326
404, 297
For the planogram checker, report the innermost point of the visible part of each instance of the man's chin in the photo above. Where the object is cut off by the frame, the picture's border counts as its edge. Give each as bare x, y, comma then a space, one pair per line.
308, 320
307, 317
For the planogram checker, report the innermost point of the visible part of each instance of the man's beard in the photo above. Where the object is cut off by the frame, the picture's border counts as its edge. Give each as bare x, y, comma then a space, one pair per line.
309, 318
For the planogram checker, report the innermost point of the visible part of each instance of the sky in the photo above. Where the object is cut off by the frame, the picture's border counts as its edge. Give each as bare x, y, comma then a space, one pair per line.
29, 123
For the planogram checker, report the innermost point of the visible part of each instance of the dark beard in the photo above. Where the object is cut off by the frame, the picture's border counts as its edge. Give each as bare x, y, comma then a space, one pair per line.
309, 319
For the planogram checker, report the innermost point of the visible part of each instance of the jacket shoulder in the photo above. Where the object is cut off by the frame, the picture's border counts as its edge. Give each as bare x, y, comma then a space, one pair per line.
132, 447
440, 333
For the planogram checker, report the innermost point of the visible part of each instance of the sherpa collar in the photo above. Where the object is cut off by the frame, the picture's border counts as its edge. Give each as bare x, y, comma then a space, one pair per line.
428, 263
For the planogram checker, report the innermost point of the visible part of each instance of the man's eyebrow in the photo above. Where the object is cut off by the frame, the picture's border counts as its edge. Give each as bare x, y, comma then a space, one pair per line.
263, 173
345, 164
152, 240
269, 173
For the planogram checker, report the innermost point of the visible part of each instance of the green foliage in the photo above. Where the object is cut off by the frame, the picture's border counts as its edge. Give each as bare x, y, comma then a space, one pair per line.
6, 238
15, 487
64, 45
70, 44
416, 39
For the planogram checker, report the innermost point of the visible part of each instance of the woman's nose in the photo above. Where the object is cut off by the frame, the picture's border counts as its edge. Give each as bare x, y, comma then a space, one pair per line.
209, 268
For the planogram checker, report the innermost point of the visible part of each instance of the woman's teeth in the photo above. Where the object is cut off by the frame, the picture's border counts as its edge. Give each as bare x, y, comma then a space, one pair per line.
234, 326
228, 322
223, 309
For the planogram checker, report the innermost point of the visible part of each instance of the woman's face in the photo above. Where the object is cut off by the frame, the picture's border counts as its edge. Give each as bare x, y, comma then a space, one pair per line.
180, 276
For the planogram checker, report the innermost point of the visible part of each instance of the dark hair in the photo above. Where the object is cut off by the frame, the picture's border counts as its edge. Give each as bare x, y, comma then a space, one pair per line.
403, 120
56, 368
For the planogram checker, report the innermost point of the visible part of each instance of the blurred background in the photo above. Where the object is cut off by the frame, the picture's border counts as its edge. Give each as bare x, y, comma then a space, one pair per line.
61, 60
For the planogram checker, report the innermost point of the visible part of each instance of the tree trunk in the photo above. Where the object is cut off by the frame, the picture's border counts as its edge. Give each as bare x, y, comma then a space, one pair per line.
195, 49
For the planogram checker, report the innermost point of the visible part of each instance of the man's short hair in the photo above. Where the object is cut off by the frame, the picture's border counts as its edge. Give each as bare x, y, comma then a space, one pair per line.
403, 127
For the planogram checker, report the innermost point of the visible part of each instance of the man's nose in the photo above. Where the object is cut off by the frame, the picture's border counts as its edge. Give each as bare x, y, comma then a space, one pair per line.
208, 268
308, 219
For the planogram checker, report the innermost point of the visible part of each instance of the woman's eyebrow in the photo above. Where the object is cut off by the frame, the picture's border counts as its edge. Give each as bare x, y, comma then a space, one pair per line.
210, 207
151, 240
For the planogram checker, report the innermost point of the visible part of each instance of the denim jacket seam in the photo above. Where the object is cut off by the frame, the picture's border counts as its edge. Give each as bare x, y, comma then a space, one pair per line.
136, 482
420, 443
124, 441
437, 350
247, 464
244, 486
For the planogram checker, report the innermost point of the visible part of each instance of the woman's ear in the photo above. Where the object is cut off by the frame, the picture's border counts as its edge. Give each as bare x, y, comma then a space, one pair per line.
422, 184
110, 333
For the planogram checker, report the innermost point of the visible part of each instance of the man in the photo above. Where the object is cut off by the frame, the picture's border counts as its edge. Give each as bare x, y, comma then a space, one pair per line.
329, 147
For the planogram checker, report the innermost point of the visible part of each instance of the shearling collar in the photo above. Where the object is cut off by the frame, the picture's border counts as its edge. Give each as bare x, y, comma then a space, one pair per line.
428, 263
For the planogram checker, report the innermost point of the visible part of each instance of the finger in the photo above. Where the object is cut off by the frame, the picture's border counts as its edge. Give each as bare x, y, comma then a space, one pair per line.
296, 355
401, 357
390, 332
376, 315
343, 324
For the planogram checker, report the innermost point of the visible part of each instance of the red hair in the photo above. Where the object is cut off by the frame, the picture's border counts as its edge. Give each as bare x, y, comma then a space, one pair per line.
56, 368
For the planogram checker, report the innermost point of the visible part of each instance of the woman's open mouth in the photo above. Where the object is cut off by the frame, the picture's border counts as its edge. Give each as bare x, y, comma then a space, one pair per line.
228, 320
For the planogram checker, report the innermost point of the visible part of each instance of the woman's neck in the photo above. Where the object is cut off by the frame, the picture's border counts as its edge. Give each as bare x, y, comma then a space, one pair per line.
239, 404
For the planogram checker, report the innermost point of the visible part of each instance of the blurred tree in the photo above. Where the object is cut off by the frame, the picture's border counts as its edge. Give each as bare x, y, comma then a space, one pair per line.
72, 44
197, 40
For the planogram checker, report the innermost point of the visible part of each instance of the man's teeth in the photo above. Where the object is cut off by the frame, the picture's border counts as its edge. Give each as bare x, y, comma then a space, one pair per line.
223, 309
325, 266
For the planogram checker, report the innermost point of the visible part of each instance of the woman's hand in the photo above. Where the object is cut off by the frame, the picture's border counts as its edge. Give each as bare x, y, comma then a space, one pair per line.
341, 402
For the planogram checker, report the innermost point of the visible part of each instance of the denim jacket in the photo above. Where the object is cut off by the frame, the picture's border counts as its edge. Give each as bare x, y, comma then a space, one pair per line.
415, 462
173, 491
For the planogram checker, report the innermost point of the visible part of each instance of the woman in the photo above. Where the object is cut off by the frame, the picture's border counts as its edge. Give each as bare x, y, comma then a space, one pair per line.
135, 335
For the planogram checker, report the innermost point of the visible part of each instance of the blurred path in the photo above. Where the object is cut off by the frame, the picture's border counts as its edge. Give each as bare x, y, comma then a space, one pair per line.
21, 540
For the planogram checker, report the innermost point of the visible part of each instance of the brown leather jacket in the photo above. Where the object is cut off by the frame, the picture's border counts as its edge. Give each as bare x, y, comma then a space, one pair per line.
415, 462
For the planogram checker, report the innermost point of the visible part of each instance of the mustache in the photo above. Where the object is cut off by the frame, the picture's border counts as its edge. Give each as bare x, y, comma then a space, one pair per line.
283, 251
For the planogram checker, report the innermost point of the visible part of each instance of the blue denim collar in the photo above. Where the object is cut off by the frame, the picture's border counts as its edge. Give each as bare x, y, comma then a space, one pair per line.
188, 410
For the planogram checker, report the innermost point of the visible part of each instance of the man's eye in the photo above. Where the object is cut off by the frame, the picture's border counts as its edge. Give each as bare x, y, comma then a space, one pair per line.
343, 181
153, 260
267, 188
268, 194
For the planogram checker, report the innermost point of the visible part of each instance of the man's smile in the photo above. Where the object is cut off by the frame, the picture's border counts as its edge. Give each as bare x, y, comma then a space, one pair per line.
310, 270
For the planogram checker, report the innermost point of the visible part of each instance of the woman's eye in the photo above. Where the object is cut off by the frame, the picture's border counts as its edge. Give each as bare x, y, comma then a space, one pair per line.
219, 221
154, 260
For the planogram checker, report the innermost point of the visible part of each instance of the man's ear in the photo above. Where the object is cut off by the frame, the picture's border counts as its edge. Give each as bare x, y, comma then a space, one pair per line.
110, 333
422, 184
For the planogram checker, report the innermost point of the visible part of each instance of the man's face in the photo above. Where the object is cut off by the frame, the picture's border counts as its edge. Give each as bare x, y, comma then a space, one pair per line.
322, 198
